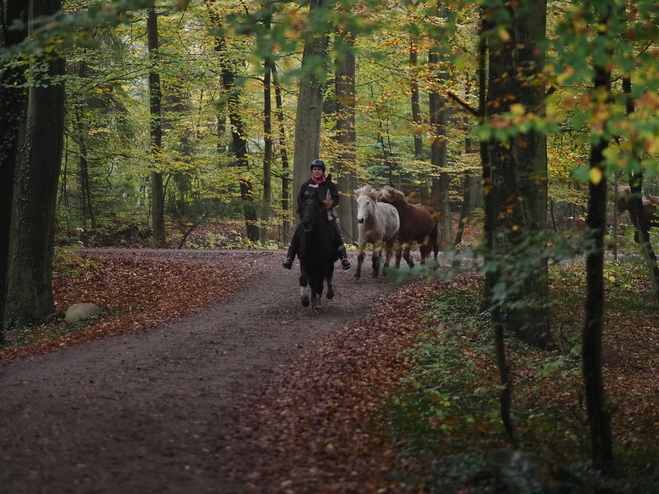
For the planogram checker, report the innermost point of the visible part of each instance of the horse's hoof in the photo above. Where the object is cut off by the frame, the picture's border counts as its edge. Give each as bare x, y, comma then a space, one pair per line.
357, 276
305, 301
330, 295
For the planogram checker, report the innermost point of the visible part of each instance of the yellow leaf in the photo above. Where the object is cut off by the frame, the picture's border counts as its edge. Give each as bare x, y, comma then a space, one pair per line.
517, 109
596, 175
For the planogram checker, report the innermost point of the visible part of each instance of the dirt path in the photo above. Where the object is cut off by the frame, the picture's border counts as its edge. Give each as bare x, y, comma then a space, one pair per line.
155, 412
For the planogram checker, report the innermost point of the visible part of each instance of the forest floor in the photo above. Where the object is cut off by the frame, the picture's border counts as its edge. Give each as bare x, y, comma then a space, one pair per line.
174, 388
204, 374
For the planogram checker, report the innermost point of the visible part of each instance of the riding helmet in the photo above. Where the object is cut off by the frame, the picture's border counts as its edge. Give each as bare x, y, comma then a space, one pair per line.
319, 164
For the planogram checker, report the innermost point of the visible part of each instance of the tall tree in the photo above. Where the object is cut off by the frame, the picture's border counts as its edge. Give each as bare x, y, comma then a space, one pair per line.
268, 151
238, 133
309, 113
283, 152
155, 107
268, 137
31, 235
519, 161
345, 132
596, 403
12, 109
438, 147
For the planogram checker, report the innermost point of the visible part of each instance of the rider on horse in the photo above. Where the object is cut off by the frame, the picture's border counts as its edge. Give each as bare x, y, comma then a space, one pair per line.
321, 185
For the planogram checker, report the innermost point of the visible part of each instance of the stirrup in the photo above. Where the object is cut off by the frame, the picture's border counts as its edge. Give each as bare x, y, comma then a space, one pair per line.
345, 263
287, 263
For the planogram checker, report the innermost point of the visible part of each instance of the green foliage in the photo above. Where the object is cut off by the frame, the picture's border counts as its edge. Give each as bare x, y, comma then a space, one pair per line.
68, 262
446, 416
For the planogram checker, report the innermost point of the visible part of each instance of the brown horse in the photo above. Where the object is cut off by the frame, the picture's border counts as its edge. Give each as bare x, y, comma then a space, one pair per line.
418, 224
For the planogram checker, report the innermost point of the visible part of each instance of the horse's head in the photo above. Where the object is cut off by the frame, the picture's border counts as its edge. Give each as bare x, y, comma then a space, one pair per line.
311, 211
391, 195
366, 197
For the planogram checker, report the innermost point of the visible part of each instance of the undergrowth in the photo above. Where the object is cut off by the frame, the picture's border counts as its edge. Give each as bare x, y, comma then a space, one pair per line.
447, 423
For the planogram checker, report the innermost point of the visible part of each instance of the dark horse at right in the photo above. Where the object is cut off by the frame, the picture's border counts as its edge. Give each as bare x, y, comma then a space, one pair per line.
317, 251
418, 224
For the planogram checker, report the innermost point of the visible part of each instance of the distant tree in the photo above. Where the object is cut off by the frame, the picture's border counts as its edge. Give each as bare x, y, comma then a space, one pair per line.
345, 132
439, 113
155, 107
238, 133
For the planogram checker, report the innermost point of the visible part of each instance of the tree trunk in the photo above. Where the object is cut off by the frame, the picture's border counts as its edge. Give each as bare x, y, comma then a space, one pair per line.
155, 98
309, 104
466, 208
505, 394
268, 151
424, 194
346, 137
596, 403
238, 134
29, 275
86, 206
438, 151
636, 206
519, 165
12, 111
283, 146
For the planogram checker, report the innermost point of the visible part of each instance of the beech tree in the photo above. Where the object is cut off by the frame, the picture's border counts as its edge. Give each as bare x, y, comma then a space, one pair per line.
518, 163
310, 96
29, 295
12, 102
155, 131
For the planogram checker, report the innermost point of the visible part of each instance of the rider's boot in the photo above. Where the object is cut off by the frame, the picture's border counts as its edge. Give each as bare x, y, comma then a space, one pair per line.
288, 262
345, 263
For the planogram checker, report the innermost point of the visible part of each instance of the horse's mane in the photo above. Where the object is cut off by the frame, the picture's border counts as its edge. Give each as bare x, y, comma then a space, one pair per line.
369, 191
389, 194
313, 194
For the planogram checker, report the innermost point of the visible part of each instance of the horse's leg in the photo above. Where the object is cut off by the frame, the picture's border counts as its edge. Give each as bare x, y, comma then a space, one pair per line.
330, 288
360, 260
388, 253
316, 293
399, 253
375, 257
423, 250
304, 292
406, 255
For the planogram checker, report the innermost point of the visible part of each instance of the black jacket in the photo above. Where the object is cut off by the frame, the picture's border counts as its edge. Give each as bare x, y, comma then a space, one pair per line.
321, 188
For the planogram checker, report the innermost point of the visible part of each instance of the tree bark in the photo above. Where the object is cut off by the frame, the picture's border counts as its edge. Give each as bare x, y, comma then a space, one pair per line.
283, 152
346, 136
591, 338
309, 113
438, 152
31, 236
13, 108
636, 206
519, 165
268, 151
155, 99
238, 134
505, 393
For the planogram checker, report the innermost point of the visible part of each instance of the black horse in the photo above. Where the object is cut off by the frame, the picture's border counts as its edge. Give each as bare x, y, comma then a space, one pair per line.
317, 251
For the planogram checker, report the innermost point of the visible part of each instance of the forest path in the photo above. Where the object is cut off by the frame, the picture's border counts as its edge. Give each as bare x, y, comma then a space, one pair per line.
156, 411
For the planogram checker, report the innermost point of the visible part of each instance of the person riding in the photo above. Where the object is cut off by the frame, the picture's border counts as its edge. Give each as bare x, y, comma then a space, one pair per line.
318, 183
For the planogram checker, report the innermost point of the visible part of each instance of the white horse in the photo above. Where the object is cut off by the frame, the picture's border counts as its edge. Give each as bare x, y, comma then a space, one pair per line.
378, 224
